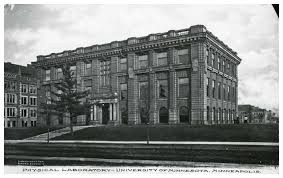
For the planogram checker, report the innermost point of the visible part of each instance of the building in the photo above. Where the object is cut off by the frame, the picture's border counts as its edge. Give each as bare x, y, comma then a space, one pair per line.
20, 96
256, 115
180, 76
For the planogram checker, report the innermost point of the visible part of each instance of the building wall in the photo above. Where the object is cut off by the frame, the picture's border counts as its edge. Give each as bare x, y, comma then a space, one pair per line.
17, 119
198, 68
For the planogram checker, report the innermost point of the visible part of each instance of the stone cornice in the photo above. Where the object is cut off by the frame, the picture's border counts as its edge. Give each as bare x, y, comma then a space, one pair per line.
132, 45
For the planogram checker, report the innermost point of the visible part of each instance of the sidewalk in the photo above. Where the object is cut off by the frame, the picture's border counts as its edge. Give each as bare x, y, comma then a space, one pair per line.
55, 133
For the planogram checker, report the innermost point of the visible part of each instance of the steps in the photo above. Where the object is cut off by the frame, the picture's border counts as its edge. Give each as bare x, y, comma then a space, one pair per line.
56, 133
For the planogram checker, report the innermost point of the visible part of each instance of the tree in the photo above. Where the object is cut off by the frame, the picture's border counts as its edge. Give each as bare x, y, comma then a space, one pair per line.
67, 97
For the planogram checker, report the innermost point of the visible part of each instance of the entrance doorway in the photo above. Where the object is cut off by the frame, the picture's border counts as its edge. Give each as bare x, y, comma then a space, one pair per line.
105, 113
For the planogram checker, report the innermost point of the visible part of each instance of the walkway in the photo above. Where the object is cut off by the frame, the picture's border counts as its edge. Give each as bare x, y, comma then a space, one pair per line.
55, 133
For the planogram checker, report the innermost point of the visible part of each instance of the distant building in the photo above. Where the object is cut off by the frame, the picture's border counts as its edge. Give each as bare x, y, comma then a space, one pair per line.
20, 96
253, 114
181, 76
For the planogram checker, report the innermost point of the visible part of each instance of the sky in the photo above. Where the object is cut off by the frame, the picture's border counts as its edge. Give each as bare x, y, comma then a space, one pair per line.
250, 30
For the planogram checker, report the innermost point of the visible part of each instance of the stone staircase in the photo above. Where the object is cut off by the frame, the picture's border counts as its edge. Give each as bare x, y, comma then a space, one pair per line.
56, 133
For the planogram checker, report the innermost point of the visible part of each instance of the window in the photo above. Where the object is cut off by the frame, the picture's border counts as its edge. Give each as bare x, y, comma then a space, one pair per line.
10, 85
183, 56
47, 75
24, 112
212, 60
11, 112
9, 124
144, 91
143, 61
228, 93
213, 88
207, 87
184, 87
33, 112
163, 88
228, 67
32, 89
87, 84
123, 90
59, 73
48, 97
123, 64
207, 57
223, 64
219, 90
73, 70
207, 113
24, 100
88, 68
219, 63
24, 88
104, 73
32, 101
11, 98
184, 114
224, 92
212, 114
162, 59
219, 115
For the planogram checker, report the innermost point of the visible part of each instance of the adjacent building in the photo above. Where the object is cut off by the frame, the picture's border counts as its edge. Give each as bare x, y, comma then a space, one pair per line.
181, 76
20, 96
256, 115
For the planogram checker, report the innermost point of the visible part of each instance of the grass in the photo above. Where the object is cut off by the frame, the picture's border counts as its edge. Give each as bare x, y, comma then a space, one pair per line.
236, 133
25, 132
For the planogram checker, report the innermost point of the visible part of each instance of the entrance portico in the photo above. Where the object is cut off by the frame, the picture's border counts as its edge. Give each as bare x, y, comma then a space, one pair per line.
105, 111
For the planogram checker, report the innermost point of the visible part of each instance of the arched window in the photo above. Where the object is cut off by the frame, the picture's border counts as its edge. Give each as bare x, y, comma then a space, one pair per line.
163, 115
184, 114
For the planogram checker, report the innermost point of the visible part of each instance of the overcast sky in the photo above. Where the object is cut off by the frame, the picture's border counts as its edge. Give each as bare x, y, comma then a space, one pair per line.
250, 30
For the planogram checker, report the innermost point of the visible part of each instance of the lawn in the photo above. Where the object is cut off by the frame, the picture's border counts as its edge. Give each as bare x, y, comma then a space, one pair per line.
236, 133
25, 132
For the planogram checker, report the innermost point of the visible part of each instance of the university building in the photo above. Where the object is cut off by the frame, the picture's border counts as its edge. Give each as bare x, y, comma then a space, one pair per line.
181, 76
20, 96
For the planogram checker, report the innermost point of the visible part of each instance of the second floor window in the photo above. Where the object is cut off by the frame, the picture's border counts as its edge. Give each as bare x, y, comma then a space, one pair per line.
104, 73
47, 75
32, 89
123, 90
144, 91
162, 59
183, 56
24, 100
212, 60
219, 90
207, 87
10, 98
123, 64
33, 112
87, 84
32, 101
88, 68
143, 61
11, 112
73, 70
24, 88
213, 88
59, 73
184, 87
218, 63
24, 112
163, 88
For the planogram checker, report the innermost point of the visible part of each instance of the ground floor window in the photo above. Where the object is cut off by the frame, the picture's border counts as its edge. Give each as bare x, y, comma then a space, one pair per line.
184, 114
163, 115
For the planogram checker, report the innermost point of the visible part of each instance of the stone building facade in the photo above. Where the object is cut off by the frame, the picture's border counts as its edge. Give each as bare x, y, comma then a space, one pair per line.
181, 76
20, 96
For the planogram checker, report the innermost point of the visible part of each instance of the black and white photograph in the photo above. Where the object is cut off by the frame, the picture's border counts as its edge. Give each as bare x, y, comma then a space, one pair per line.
153, 88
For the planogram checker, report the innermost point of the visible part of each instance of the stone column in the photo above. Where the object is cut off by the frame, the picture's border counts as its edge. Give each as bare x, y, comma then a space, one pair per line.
91, 113
132, 91
198, 75
110, 111
94, 113
114, 112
